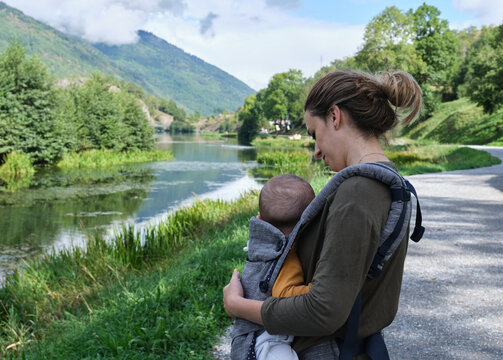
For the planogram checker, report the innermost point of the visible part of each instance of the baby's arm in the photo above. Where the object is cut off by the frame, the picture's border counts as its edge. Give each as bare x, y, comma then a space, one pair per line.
290, 280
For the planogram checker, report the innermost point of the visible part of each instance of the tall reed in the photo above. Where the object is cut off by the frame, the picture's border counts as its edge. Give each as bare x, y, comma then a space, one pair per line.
105, 158
49, 288
17, 171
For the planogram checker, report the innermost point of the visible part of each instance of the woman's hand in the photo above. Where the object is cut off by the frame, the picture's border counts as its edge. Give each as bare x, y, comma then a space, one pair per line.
233, 292
237, 306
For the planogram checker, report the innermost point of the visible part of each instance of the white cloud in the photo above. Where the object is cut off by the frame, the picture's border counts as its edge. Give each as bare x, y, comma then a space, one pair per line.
487, 12
251, 39
110, 21
254, 41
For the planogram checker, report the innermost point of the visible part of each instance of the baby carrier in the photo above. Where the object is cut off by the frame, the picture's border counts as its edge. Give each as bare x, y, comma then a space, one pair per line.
268, 248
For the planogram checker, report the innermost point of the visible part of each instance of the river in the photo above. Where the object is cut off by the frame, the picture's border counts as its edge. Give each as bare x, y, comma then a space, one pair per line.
59, 213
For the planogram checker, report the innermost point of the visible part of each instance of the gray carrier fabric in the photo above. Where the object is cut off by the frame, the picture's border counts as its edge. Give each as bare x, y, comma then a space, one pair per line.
268, 246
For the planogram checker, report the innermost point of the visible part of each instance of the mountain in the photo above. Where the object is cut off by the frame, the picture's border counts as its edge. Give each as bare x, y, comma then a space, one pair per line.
159, 67
183, 77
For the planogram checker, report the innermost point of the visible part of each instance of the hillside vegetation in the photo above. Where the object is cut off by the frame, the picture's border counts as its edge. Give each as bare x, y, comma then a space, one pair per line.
460, 121
159, 67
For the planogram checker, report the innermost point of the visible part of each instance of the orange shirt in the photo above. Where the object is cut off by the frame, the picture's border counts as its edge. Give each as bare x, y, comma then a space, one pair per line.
290, 280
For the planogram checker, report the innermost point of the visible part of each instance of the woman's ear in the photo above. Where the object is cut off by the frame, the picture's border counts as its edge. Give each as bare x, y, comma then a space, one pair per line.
335, 116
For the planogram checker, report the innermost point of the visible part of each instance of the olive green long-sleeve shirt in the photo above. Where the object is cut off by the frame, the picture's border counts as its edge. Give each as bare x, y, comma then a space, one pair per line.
336, 251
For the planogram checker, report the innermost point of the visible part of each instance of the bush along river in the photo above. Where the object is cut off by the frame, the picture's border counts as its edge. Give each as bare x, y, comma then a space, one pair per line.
62, 209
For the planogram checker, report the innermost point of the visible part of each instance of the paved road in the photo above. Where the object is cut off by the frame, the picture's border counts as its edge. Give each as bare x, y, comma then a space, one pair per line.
451, 305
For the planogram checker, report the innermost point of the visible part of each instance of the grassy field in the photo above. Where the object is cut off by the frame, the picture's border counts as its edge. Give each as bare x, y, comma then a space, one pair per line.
459, 122
154, 295
420, 158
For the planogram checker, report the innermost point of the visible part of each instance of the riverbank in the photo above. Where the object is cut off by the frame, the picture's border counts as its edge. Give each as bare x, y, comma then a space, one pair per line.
158, 295
154, 295
99, 159
18, 172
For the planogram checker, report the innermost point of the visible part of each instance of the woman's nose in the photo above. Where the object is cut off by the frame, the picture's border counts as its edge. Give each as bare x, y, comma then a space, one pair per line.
317, 151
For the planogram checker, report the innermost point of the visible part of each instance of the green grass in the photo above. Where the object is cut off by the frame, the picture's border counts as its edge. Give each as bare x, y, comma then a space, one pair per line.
207, 135
283, 142
96, 159
461, 122
299, 163
156, 298
418, 159
211, 135
17, 171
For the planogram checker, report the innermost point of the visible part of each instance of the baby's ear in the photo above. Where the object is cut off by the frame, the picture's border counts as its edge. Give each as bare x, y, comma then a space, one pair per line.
259, 217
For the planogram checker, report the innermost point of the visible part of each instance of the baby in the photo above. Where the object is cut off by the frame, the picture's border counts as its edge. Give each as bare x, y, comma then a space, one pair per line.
281, 203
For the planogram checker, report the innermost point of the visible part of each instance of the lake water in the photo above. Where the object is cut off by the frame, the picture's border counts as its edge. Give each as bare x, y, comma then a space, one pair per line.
61, 212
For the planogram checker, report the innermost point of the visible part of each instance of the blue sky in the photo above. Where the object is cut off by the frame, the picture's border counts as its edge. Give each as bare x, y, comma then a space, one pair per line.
362, 11
250, 39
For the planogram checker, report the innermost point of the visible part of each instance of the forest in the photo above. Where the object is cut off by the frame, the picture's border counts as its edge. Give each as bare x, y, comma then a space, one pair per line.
448, 64
42, 120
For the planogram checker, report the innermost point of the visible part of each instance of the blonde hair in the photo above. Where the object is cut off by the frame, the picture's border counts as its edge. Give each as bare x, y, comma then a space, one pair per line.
376, 103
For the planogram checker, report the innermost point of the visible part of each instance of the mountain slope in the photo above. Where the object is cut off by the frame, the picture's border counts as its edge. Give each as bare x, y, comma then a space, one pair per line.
65, 55
167, 71
159, 67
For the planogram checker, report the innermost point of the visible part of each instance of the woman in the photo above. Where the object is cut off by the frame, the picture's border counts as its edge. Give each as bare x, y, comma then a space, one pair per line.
345, 113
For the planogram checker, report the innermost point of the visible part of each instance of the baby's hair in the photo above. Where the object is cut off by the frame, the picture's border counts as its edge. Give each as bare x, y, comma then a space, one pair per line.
283, 199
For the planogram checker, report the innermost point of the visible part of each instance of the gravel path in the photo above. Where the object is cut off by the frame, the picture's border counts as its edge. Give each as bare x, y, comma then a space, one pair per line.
451, 305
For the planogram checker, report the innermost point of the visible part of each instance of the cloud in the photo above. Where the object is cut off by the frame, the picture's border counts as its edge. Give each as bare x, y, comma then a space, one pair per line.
486, 11
284, 4
109, 21
207, 23
176, 7
252, 39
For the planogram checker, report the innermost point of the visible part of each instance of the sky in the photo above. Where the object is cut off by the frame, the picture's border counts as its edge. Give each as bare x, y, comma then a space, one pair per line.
250, 39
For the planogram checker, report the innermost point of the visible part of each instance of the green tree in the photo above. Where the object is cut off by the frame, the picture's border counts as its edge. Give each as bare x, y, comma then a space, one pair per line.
28, 116
276, 105
138, 132
435, 44
170, 107
98, 114
484, 71
388, 44
282, 96
195, 116
250, 116
106, 117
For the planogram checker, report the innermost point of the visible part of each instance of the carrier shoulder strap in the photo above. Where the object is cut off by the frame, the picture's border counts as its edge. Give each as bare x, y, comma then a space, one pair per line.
374, 345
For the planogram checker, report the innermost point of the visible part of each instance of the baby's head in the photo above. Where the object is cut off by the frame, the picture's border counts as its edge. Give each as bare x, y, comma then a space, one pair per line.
283, 199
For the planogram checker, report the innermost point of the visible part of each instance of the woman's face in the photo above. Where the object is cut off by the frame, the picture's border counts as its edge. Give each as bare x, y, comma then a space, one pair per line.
326, 140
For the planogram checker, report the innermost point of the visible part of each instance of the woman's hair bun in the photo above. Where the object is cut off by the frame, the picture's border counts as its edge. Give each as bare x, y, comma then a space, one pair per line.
403, 92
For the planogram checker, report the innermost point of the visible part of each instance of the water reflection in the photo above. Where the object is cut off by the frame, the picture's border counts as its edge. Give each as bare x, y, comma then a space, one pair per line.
64, 208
